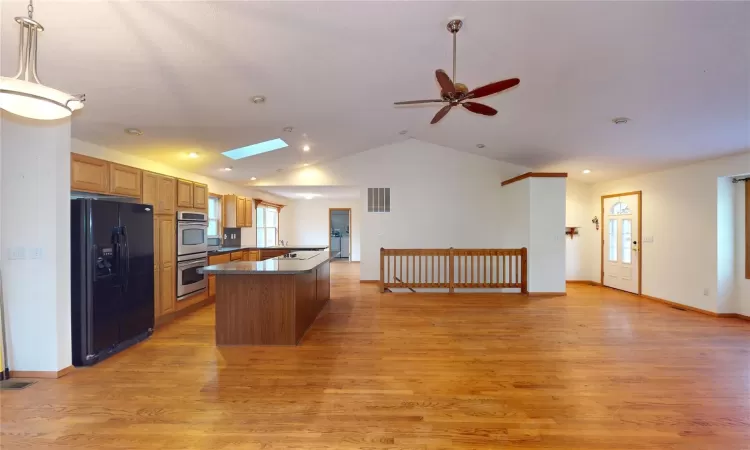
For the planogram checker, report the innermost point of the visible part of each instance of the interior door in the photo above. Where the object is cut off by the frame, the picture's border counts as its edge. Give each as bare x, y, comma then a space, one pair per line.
621, 245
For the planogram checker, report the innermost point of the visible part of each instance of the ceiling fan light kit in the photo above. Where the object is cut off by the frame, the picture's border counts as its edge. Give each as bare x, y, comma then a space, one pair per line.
23, 94
454, 94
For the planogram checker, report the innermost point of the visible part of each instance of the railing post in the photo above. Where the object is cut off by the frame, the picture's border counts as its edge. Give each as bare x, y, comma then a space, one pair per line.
450, 270
382, 273
524, 272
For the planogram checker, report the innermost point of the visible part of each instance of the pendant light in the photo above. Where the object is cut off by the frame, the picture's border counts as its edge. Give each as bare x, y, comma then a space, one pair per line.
24, 94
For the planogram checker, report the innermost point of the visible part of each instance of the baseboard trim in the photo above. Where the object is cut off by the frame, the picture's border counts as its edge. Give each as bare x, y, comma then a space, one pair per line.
369, 281
681, 306
547, 294
584, 282
168, 318
41, 373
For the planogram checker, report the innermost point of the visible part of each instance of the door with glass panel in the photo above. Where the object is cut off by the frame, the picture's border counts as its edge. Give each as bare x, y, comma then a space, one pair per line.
621, 242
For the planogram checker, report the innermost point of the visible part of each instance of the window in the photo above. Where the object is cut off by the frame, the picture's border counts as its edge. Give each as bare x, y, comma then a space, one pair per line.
267, 225
627, 237
619, 209
214, 216
613, 240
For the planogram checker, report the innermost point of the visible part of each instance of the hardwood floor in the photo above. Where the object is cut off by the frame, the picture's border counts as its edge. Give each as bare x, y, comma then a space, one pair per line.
597, 369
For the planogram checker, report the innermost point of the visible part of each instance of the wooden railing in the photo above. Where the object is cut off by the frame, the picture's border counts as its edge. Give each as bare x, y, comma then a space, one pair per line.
453, 268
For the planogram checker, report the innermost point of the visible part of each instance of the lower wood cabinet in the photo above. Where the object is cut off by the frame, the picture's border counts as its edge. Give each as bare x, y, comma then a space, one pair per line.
235, 256
212, 285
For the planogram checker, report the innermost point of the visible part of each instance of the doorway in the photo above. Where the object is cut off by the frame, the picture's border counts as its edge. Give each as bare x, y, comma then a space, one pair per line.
339, 227
621, 255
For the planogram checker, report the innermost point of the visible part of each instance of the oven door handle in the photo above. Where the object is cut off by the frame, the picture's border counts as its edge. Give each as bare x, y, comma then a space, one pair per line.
187, 265
192, 225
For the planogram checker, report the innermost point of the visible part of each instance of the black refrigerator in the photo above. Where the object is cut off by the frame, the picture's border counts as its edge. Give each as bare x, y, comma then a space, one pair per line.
112, 277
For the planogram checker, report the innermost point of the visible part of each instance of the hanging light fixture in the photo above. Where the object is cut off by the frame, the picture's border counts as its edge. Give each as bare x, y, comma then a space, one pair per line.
24, 94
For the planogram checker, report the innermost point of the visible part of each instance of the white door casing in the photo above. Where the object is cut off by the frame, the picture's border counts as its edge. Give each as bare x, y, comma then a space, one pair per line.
621, 244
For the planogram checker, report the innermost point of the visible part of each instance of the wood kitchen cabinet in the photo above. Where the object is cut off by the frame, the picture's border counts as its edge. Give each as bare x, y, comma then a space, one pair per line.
248, 212
164, 253
124, 180
200, 196
184, 193
235, 256
88, 174
248, 255
159, 191
218, 259
241, 212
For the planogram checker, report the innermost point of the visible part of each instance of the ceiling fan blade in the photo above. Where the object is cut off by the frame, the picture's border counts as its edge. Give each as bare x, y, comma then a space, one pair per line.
416, 102
446, 85
493, 88
440, 114
479, 108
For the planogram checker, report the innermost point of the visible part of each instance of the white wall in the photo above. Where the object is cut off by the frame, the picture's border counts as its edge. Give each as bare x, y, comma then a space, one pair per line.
305, 222
35, 188
680, 213
742, 285
578, 201
440, 198
215, 186
546, 254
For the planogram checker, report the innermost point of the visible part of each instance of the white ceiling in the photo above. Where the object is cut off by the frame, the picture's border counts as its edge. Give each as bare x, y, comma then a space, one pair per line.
322, 192
183, 72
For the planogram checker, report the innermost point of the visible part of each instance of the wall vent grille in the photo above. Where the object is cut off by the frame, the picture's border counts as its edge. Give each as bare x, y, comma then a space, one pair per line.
379, 200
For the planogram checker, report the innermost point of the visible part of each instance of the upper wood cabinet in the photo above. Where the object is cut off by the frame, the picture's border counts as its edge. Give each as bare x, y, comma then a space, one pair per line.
248, 212
159, 191
241, 212
124, 180
184, 193
200, 196
88, 174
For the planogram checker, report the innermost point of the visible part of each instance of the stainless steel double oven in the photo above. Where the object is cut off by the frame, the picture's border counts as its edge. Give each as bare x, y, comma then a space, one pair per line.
192, 252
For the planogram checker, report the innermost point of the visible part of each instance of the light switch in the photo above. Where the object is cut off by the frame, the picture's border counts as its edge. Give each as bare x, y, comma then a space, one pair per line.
35, 253
648, 239
17, 253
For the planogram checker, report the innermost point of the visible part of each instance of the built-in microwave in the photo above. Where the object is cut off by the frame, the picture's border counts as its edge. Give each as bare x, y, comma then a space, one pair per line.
192, 231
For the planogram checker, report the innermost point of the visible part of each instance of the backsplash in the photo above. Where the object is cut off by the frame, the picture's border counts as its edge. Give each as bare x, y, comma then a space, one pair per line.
232, 237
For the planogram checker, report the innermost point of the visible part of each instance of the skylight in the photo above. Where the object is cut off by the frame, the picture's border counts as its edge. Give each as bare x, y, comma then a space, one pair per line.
256, 149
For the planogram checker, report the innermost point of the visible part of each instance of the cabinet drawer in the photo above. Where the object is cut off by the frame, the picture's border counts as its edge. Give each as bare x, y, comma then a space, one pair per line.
218, 259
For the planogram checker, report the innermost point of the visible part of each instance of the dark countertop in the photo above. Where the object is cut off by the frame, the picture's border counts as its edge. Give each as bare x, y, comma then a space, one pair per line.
291, 248
308, 261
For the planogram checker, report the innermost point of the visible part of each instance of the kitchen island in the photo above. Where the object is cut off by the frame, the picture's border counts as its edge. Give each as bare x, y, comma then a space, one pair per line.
271, 302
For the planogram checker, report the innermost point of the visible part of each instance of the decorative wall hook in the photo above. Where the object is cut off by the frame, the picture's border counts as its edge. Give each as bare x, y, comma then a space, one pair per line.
595, 221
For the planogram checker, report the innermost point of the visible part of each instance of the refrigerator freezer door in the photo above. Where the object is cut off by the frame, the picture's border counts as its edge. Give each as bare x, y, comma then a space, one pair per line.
137, 304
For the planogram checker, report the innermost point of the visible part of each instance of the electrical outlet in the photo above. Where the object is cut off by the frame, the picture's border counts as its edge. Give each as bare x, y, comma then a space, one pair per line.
705, 292
35, 253
17, 253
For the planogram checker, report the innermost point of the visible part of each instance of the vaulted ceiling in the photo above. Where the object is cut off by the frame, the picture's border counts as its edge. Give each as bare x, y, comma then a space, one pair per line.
184, 72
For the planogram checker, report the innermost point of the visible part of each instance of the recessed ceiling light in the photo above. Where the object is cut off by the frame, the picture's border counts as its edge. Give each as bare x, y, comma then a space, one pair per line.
403, 132
193, 155
586, 171
288, 129
306, 148
309, 196
620, 120
480, 145
305, 164
258, 99
255, 149
227, 169
253, 178
134, 131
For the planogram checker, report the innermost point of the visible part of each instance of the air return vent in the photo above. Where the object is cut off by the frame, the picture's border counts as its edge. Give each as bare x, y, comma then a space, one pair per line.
379, 200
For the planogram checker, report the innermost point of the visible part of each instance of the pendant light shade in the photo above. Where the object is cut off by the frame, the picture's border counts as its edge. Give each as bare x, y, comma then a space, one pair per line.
24, 94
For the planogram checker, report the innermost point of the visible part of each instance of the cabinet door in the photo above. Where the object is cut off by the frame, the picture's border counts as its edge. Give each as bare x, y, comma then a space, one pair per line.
167, 257
200, 196
88, 174
235, 256
185, 193
253, 256
167, 191
124, 180
150, 193
248, 212
157, 265
246, 255
211, 285
241, 212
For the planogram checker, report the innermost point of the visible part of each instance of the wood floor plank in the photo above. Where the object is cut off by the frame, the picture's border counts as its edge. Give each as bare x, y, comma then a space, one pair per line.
598, 369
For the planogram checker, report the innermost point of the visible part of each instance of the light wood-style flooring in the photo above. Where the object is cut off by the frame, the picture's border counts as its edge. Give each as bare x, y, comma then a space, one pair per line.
597, 369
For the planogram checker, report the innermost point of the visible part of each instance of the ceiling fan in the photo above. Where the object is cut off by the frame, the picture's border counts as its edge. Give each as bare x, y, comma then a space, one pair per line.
455, 94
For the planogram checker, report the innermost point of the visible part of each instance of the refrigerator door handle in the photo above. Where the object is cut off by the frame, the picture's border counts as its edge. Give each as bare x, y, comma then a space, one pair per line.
126, 255
117, 257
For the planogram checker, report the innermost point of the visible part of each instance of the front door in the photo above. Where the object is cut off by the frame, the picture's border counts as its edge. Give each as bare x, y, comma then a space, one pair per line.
621, 245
